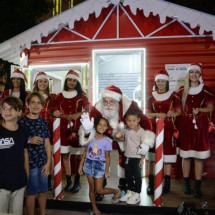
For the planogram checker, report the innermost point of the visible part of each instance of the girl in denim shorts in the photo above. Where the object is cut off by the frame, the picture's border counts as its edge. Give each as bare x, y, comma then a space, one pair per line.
95, 163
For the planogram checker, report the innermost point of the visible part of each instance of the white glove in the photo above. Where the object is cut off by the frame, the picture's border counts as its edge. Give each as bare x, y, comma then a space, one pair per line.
143, 149
87, 124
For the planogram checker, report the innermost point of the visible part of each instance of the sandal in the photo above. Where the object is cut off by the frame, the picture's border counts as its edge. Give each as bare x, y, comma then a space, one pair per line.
116, 196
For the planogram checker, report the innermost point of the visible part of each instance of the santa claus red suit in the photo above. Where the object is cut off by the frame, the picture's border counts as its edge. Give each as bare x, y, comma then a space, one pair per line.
113, 105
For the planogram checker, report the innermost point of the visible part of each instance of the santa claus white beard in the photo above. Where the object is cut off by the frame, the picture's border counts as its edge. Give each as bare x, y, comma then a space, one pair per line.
112, 114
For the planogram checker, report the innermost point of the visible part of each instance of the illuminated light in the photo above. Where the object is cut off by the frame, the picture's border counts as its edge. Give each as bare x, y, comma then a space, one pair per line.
56, 65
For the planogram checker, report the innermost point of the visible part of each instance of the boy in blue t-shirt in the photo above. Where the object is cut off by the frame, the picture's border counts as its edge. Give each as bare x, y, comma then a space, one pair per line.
39, 153
14, 163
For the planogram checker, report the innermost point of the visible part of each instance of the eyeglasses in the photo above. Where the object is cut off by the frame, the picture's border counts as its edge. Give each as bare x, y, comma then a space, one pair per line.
110, 102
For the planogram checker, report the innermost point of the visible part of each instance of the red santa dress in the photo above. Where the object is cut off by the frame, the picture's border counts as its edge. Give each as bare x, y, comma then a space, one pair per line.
194, 129
162, 103
70, 102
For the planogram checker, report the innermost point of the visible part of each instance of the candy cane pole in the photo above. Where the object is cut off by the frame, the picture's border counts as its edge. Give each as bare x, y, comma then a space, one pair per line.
159, 162
57, 159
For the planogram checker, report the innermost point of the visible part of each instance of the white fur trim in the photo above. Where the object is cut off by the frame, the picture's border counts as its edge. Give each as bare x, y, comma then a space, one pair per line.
149, 138
75, 77
39, 77
65, 149
111, 94
83, 141
169, 158
195, 154
77, 151
162, 77
121, 146
17, 75
194, 67
162, 96
196, 90
69, 94
121, 172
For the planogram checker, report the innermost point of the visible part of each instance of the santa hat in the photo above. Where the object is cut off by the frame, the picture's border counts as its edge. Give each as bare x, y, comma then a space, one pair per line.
73, 74
19, 74
41, 75
195, 66
162, 74
112, 92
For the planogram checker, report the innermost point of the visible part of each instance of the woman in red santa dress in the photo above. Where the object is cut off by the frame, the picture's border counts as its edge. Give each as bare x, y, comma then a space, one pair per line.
69, 105
198, 104
113, 105
41, 85
17, 87
166, 104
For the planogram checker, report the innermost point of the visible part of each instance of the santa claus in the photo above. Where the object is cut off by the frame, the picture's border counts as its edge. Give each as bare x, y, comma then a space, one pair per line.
113, 105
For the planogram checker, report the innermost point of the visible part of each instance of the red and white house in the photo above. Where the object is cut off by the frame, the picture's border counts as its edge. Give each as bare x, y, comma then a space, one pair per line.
164, 33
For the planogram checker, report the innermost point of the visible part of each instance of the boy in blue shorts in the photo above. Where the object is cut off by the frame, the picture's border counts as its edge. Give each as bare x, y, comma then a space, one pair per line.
39, 153
14, 163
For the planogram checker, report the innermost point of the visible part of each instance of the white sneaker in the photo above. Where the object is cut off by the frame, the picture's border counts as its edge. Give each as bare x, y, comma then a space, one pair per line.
126, 196
134, 199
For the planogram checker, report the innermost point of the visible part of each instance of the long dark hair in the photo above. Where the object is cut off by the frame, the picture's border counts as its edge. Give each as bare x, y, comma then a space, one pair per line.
78, 87
21, 89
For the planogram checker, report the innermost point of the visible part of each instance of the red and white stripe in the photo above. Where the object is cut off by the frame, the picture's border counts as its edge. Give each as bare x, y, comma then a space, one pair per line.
159, 162
57, 159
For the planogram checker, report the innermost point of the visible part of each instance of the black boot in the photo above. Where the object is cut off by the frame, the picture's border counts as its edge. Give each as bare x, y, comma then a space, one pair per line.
166, 186
50, 185
68, 184
150, 188
197, 189
187, 189
77, 186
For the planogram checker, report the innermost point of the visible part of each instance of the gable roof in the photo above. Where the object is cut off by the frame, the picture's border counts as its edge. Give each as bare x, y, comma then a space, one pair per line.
10, 50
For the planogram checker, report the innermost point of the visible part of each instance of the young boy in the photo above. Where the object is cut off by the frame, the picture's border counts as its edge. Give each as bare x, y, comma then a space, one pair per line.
136, 146
14, 162
39, 153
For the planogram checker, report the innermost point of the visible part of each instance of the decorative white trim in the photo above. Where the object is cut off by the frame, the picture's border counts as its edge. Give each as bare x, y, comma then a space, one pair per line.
196, 90
120, 172
194, 67
162, 96
169, 158
77, 151
65, 149
162, 77
111, 94
195, 154
69, 94
17, 75
39, 77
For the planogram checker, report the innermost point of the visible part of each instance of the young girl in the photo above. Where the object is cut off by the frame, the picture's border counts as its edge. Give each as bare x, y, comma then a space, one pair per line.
41, 85
17, 87
69, 105
95, 163
39, 153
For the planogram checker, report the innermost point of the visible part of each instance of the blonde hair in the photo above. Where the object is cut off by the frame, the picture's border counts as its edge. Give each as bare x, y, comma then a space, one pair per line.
186, 89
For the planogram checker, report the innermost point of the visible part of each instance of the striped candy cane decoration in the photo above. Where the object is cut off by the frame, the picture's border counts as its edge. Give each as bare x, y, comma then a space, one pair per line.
159, 162
57, 159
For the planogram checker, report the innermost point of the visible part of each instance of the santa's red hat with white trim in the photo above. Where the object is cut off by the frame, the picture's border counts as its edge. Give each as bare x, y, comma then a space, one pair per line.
112, 92
195, 66
19, 74
41, 75
162, 74
73, 74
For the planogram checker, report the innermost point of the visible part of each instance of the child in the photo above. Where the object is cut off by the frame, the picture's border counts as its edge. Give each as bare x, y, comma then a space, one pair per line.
41, 85
14, 162
39, 153
69, 105
135, 150
95, 163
